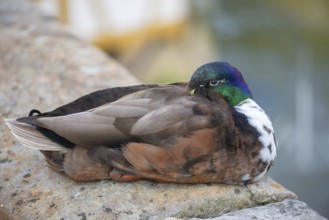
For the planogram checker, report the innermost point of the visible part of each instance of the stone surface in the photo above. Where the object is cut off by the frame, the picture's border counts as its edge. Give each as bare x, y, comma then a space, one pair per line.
287, 210
43, 66
40, 59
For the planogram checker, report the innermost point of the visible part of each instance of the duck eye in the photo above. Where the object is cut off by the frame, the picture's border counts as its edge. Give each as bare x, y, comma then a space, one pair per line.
214, 82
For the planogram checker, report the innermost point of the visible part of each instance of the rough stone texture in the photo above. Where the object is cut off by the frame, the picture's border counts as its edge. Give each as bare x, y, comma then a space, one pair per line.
287, 210
43, 66
272, 194
40, 59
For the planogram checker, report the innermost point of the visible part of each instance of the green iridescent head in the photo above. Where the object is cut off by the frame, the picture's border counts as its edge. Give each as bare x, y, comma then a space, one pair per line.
222, 78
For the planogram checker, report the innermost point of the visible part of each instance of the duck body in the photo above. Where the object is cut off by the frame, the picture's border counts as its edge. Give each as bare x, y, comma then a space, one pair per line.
164, 133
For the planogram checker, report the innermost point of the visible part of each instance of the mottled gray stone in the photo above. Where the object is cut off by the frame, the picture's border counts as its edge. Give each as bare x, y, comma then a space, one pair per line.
272, 194
287, 210
43, 66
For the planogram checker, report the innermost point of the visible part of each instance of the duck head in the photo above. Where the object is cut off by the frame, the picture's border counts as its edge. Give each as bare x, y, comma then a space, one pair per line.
221, 78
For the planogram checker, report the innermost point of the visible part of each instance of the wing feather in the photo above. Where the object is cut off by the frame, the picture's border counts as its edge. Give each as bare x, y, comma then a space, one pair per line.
85, 128
161, 119
30, 137
125, 108
153, 115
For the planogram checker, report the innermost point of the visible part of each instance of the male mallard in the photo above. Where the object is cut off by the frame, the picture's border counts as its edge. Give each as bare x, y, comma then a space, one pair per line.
207, 130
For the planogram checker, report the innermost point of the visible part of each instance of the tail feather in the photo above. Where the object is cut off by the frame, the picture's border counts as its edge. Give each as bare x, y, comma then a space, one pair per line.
29, 136
55, 160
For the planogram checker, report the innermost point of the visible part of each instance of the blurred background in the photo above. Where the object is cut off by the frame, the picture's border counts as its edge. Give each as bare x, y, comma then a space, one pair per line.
281, 47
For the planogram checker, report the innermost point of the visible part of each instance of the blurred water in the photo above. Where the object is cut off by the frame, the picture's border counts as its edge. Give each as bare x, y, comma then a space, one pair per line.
282, 47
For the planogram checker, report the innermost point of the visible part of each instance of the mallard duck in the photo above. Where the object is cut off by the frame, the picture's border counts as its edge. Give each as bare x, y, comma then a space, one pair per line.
207, 130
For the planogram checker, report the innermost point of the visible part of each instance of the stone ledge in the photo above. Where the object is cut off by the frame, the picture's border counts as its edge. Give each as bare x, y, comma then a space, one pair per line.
43, 66
287, 209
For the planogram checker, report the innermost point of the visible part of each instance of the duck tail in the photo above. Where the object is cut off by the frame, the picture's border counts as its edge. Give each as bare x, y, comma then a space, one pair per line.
55, 160
30, 136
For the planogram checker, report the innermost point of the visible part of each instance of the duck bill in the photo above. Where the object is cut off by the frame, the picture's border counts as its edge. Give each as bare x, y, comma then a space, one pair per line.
199, 91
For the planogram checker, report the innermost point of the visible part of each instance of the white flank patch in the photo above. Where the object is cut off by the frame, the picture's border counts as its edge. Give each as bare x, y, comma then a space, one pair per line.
258, 119
245, 177
260, 176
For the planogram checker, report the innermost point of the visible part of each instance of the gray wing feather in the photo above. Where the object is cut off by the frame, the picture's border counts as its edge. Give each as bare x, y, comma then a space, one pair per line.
30, 137
161, 119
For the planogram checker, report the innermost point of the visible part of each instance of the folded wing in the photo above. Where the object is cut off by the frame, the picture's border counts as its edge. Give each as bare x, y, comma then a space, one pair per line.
155, 116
